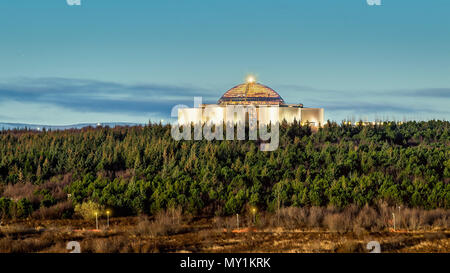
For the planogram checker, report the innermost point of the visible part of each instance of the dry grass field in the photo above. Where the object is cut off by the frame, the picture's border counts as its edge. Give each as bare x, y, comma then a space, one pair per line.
291, 230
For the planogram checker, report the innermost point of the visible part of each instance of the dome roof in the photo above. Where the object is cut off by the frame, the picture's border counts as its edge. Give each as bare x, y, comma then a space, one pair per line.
251, 93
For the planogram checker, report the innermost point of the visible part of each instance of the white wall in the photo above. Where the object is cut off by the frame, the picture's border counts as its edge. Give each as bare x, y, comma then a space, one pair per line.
217, 114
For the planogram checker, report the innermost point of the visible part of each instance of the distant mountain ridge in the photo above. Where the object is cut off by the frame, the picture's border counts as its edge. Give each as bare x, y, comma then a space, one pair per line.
10, 126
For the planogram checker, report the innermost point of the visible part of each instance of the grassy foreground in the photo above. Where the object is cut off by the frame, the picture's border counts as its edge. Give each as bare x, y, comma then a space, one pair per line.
315, 229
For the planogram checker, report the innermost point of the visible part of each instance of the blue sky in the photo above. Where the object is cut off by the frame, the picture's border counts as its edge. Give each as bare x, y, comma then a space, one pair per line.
133, 60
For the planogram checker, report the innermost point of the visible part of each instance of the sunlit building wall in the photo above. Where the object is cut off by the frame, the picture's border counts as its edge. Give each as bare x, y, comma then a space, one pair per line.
251, 97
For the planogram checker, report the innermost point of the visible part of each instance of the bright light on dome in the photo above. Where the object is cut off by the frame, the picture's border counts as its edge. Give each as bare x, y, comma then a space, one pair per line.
251, 79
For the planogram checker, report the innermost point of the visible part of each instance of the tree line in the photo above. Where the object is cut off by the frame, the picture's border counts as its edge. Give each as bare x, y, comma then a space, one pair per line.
141, 169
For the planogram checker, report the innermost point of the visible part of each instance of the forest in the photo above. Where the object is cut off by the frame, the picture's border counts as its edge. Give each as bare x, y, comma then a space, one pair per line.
142, 170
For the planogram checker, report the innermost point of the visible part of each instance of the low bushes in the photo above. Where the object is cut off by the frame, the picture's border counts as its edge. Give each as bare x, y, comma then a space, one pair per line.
352, 218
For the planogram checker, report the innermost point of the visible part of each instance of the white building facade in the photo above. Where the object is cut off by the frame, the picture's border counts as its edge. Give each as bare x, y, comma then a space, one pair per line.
252, 99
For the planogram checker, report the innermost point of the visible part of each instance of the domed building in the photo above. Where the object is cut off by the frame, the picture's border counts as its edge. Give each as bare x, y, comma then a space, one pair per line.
251, 94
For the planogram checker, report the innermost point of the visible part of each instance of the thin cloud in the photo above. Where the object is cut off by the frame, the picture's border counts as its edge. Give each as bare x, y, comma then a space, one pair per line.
144, 99
432, 92
368, 107
101, 96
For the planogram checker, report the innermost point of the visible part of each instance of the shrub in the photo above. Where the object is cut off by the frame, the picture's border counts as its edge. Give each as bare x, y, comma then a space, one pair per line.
88, 209
340, 222
5, 204
315, 217
23, 208
165, 223
368, 219
58, 211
